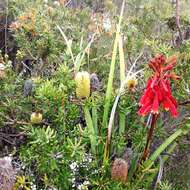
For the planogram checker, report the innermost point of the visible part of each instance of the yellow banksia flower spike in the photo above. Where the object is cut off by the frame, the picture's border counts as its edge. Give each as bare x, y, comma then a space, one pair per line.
82, 80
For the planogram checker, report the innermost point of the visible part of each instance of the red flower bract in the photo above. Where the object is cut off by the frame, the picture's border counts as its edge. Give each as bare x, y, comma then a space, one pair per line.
158, 91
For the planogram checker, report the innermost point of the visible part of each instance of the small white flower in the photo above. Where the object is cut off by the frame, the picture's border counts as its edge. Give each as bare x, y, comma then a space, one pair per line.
2, 66
82, 187
107, 24
33, 187
56, 3
73, 166
86, 183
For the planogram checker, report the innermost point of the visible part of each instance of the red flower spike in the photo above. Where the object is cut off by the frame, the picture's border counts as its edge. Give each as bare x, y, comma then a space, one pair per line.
164, 86
154, 80
166, 105
144, 110
158, 90
155, 104
172, 107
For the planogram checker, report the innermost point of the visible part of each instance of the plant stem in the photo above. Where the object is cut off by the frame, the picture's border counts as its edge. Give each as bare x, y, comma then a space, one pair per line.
149, 137
90, 127
122, 78
121, 123
110, 125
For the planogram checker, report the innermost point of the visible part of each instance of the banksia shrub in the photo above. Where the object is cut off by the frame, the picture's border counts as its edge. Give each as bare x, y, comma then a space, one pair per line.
82, 80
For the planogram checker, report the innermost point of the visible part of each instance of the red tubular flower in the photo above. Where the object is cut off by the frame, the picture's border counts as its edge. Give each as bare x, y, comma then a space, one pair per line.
158, 90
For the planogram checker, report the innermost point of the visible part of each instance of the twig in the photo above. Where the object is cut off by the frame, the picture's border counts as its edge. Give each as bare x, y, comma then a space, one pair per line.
134, 64
184, 103
12, 135
68, 2
26, 66
6, 25
178, 20
160, 173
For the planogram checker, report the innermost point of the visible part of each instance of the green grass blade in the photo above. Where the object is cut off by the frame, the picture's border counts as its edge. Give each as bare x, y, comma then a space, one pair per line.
112, 69
122, 78
95, 118
67, 42
91, 131
122, 120
148, 163
121, 60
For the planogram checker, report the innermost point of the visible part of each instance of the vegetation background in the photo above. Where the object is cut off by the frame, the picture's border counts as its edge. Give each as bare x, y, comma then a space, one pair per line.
53, 126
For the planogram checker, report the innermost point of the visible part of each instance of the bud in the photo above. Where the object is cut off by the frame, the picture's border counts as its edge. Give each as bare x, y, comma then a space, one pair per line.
119, 170
36, 118
82, 80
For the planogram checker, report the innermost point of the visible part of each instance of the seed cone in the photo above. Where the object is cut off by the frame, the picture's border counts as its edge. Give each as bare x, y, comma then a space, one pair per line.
82, 80
119, 170
94, 82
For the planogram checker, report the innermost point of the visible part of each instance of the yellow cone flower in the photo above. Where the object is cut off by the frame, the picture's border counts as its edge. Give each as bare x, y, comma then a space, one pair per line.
131, 83
82, 80
36, 118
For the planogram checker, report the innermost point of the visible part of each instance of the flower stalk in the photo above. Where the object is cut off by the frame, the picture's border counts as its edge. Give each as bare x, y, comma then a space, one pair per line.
149, 137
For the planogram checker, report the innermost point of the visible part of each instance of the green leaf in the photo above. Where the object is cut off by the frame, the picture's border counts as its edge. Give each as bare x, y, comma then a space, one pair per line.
91, 131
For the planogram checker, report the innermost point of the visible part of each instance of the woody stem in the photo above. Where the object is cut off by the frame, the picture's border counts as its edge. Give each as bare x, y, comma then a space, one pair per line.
149, 137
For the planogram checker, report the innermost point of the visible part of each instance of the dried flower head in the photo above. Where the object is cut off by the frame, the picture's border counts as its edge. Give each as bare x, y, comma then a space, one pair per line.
94, 82
82, 80
119, 170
